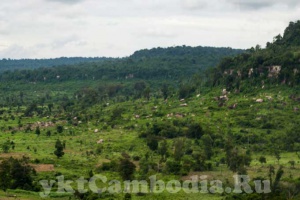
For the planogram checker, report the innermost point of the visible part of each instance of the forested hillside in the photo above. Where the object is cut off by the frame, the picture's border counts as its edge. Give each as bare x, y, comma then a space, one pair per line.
158, 63
17, 64
278, 63
199, 57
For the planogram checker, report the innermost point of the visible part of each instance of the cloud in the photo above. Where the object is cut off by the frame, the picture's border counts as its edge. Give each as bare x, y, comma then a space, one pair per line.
3, 29
261, 4
16, 51
55, 28
194, 4
252, 4
225, 6
158, 33
66, 1
68, 41
3, 46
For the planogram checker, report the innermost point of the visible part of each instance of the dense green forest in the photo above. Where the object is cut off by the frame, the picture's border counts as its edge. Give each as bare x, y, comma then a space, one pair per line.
278, 63
17, 64
158, 63
154, 68
165, 112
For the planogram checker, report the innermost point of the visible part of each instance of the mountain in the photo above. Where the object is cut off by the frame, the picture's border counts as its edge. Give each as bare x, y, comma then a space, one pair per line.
14, 64
204, 57
291, 35
158, 63
278, 63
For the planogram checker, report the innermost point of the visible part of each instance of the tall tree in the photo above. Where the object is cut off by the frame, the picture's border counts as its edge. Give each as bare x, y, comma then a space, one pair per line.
195, 131
59, 152
126, 168
37, 131
163, 149
178, 149
165, 91
208, 146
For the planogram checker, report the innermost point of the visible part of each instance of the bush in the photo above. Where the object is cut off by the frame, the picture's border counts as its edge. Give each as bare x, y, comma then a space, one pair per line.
99, 150
108, 166
136, 158
195, 131
173, 167
59, 128
16, 173
152, 143
166, 129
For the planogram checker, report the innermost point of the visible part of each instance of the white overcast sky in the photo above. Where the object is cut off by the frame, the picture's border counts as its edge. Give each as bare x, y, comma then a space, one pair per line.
117, 28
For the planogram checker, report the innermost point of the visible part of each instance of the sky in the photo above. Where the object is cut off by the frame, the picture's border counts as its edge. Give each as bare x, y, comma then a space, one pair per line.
118, 28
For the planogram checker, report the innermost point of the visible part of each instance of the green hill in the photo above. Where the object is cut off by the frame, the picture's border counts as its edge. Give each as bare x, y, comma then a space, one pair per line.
19, 64
160, 112
278, 63
158, 63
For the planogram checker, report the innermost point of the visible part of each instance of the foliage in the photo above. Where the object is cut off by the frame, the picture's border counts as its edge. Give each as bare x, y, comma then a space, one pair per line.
208, 146
178, 149
262, 159
236, 158
142, 64
16, 174
12, 64
6, 146
126, 168
59, 128
37, 131
195, 131
59, 149
173, 167
256, 65
152, 143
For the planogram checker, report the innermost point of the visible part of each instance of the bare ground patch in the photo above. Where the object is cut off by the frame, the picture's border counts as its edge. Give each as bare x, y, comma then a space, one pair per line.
43, 167
13, 154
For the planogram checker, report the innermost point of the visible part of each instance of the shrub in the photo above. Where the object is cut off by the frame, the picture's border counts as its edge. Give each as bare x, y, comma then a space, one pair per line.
16, 173
173, 167
195, 131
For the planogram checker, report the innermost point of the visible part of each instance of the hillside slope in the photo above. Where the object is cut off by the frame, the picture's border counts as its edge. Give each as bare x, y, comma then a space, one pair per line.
158, 63
278, 63
19, 64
